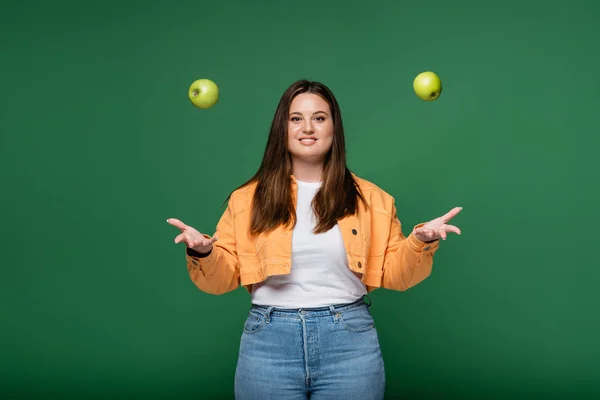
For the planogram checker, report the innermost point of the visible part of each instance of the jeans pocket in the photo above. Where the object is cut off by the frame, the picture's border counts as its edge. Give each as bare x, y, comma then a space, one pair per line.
254, 322
357, 320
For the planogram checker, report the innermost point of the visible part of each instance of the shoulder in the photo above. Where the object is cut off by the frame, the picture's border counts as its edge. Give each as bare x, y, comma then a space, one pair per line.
368, 187
376, 197
241, 198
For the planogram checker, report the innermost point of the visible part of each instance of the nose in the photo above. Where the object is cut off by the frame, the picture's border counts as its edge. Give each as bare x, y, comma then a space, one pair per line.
308, 128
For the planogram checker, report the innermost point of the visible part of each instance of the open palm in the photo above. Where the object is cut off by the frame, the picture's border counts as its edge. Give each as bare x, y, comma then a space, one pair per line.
191, 237
438, 228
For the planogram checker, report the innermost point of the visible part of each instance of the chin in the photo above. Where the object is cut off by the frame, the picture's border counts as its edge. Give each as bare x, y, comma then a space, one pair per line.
308, 154
309, 158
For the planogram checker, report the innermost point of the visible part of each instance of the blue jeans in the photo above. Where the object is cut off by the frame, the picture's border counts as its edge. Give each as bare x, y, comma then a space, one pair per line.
320, 353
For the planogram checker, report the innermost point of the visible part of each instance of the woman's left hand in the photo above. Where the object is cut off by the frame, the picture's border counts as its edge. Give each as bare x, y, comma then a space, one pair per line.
438, 228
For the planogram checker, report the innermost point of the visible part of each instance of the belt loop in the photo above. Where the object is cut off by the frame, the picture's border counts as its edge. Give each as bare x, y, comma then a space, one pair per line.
268, 314
335, 314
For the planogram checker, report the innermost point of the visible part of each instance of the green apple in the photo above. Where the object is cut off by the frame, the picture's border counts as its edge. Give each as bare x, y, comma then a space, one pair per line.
427, 86
203, 93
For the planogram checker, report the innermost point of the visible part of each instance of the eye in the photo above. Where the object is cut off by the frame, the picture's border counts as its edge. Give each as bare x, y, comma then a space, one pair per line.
320, 118
295, 119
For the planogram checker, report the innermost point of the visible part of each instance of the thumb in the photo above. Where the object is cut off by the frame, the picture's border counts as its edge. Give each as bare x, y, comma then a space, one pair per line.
180, 238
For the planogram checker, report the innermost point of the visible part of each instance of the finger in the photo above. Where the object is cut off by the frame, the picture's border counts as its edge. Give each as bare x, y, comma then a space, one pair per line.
176, 223
442, 234
452, 228
180, 238
451, 214
212, 240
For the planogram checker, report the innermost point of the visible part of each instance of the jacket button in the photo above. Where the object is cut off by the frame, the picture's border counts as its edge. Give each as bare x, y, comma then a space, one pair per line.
354, 231
359, 264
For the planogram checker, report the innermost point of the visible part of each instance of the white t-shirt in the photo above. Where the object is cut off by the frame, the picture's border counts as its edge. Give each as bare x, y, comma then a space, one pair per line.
319, 275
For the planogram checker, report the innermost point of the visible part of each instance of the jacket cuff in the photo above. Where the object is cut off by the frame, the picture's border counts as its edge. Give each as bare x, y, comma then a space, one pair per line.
193, 253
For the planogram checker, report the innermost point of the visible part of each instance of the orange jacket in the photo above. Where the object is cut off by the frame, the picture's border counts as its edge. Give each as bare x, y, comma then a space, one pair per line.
375, 246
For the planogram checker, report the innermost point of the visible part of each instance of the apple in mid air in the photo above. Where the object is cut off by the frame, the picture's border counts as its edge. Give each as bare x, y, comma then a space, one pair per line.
427, 86
203, 93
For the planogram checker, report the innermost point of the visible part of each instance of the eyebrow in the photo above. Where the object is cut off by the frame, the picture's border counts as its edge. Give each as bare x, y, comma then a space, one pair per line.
316, 112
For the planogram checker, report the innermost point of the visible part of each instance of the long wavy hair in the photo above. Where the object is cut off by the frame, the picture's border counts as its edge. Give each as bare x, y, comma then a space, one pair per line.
273, 203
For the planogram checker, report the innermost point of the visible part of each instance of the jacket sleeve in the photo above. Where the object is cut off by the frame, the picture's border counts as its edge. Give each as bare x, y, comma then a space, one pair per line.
408, 261
217, 272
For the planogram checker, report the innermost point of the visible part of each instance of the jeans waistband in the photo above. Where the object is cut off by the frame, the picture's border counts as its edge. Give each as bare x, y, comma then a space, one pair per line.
317, 311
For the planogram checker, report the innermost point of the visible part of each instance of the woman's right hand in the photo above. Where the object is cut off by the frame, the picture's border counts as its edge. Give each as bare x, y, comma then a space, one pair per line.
191, 237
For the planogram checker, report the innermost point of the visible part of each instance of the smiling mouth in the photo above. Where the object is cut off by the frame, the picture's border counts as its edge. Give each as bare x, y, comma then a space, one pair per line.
308, 140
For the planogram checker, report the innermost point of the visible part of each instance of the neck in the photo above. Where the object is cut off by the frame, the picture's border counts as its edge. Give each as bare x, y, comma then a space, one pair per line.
307, 172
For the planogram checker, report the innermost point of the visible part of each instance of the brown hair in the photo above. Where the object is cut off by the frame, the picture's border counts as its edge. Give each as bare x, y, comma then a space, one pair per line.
273, 204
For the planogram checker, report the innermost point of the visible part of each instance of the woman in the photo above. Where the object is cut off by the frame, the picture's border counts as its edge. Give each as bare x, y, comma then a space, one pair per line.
309, 240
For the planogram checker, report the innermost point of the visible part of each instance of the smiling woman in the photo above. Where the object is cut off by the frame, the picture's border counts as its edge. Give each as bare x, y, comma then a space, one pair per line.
309, 240
306, 110
310, 135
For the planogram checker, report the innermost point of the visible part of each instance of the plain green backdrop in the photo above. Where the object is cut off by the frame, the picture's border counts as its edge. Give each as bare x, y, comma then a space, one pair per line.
100, 144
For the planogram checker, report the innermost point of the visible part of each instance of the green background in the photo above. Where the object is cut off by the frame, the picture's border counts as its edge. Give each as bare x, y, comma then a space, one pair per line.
100, 144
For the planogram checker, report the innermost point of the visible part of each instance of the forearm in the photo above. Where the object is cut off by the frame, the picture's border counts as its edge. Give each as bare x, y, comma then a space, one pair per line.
215, 272
408, 263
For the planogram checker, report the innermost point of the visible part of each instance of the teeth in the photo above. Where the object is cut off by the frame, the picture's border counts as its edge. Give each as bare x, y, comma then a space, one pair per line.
308, 140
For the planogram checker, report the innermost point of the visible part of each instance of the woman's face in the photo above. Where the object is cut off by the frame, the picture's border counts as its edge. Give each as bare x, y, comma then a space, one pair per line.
310, 128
